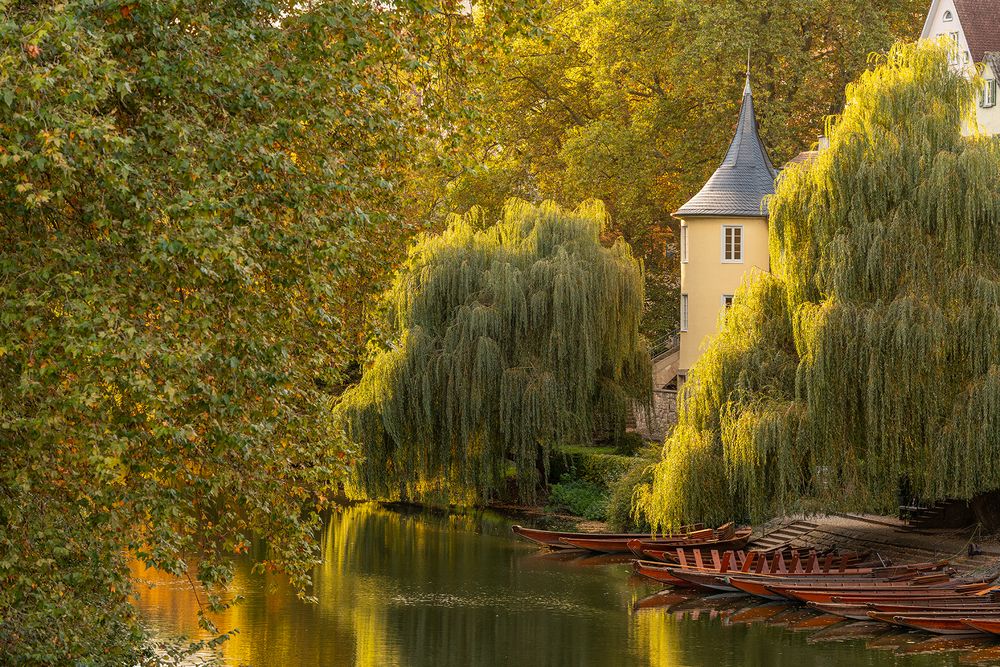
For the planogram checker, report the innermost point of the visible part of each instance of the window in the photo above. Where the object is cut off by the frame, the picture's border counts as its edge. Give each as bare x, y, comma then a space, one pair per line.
989, 93
684, 243
948, 16
684, 312
732, 244
954, 50
727, 301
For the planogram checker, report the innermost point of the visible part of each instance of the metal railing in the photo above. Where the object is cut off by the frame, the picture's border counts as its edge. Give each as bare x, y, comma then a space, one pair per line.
666, 345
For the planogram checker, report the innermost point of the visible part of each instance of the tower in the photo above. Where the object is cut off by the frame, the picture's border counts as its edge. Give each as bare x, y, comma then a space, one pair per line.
723, 234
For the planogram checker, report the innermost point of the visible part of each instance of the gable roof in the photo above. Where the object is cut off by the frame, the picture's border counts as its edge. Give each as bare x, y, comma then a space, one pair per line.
981, 24
745, 177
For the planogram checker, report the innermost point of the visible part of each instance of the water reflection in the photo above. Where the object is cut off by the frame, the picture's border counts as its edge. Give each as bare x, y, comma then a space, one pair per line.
406, 588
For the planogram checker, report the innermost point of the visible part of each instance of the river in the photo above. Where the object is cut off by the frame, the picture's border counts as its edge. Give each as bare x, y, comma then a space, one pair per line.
432, 589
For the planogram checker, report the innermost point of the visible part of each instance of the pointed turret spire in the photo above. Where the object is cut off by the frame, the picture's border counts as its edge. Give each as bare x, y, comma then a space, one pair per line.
746, 175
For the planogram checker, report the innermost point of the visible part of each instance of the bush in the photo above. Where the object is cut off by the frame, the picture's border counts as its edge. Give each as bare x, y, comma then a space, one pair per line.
580, 497
620, 502
597, 465
629, 444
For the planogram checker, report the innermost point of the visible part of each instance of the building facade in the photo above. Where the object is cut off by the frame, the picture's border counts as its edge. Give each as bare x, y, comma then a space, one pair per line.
974, 27
723, 235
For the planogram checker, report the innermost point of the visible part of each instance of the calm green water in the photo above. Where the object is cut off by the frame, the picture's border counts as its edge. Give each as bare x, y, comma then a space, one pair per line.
426, 589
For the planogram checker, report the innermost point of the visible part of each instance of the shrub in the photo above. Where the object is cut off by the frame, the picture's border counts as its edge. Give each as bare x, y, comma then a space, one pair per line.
639, 474
580, 497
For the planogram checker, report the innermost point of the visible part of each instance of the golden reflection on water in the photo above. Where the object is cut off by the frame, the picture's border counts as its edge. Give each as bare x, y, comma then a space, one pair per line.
406, 589
658, 636
270, 620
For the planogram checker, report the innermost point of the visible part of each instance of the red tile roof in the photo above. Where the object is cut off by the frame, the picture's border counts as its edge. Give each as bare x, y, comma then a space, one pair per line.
981, 24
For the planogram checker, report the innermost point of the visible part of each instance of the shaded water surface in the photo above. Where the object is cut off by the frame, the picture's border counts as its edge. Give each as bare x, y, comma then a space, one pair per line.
426, 589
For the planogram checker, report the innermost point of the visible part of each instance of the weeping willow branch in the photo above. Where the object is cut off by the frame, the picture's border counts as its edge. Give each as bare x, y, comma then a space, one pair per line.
511, 338
872, 353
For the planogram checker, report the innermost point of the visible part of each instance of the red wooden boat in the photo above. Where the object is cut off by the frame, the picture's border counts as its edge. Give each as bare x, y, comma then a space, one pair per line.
859, 611
940, 625
988, 625
710, 581
756, 585
660, 574
956, 605
863, 585
552, 538
721, 539
855, 612
914, 594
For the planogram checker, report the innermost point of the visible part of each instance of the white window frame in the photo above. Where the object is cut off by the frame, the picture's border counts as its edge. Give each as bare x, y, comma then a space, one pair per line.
684, 244
989, 97
947, 16
737, 257
955, 53
684, 312
723, 301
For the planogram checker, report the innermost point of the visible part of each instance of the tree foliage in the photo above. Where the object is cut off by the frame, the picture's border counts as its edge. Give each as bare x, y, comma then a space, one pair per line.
196, 198
634, 103
872, 354
509, 338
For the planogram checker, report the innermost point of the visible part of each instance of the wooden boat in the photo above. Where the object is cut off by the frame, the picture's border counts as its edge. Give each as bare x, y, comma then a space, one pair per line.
940, 625
552, 538
801, 588
710, 581
935, 599
660, 574
859, 611
720, 539
917, 587
928, 594
955, 605
988, 625
855, 612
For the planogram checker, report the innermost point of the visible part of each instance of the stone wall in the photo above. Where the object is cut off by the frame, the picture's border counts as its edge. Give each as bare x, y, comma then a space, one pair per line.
663, 418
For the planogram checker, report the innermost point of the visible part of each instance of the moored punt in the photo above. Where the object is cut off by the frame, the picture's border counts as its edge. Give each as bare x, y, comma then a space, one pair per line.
941, 625
660, 574
806, 589
988, 625
552, 538
874, 591
711, 581
751, 587
855, 612
949, 605
859, 611
706, 539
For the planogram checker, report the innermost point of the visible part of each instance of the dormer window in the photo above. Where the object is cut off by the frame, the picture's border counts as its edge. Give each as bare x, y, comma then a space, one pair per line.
948, 16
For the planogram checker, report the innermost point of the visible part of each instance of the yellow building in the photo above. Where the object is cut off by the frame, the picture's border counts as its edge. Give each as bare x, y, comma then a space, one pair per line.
723, 235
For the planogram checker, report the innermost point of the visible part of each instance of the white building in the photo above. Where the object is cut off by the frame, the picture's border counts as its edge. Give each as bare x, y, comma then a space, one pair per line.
974, 26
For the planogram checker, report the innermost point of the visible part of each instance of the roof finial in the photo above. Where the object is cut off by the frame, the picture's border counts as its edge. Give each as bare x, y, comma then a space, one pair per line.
746, 88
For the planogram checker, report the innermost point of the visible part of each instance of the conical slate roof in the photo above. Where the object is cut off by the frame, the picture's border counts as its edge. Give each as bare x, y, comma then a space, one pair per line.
746, 176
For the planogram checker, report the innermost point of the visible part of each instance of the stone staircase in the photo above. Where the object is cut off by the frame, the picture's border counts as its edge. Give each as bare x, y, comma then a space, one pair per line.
790, 534
666, 354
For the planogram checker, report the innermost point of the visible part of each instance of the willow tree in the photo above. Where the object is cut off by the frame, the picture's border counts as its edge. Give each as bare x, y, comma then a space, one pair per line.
510, 338
871, 354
